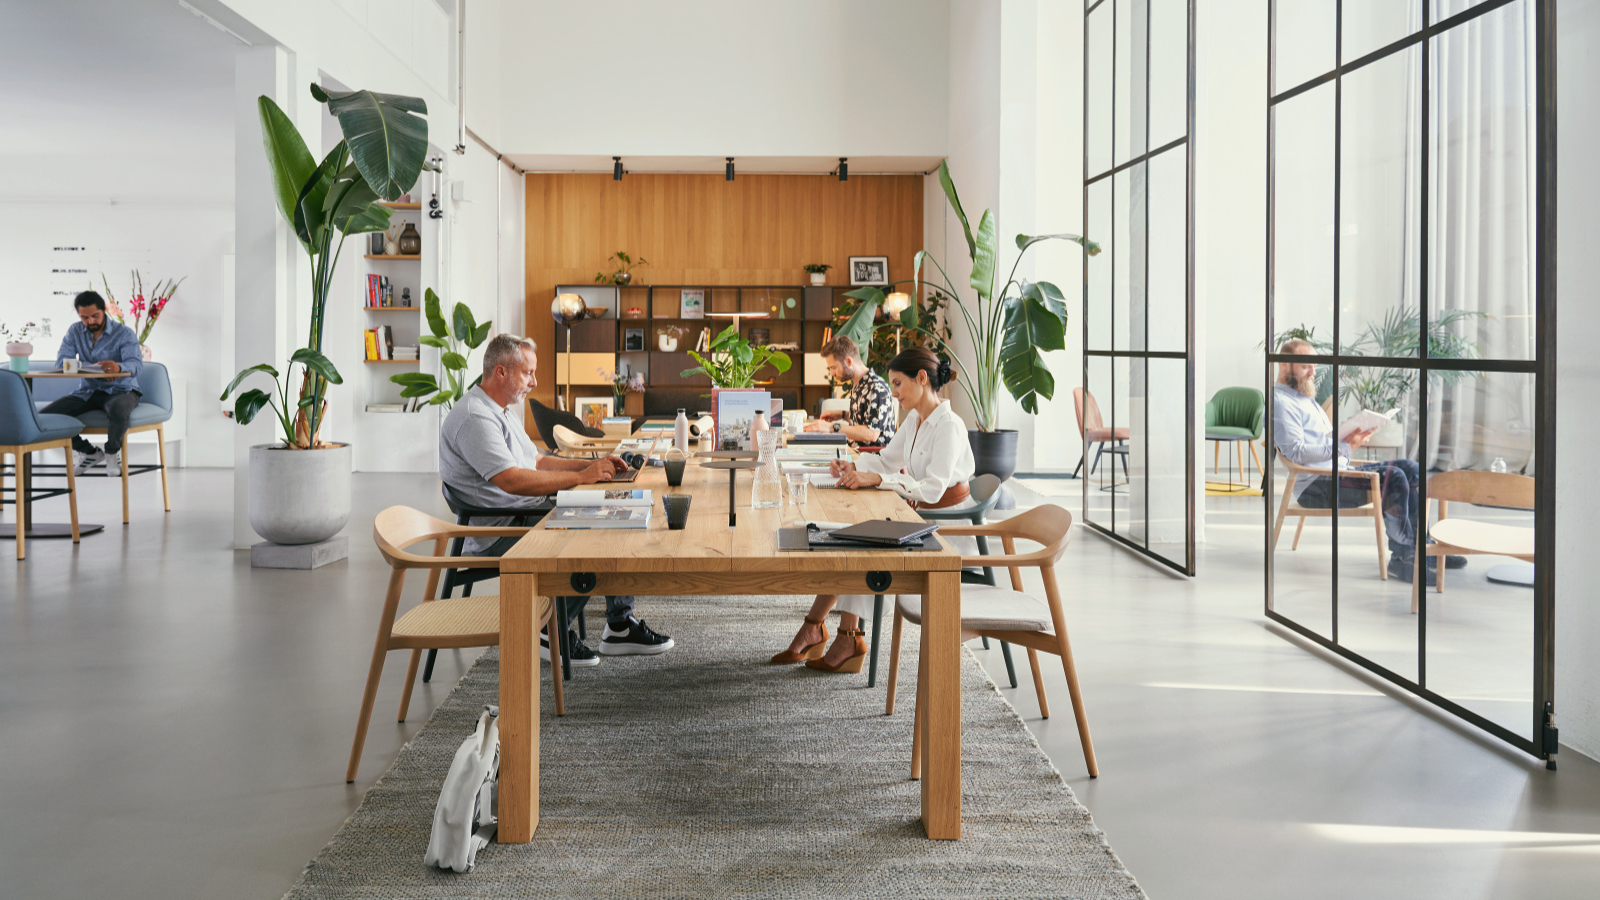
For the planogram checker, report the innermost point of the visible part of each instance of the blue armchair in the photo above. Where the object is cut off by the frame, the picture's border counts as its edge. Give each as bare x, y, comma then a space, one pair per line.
153, 411
24, 430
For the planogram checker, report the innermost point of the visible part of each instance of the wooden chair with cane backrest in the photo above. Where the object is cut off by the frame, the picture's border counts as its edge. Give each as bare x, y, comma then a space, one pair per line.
1013, 616
1463, 536
443, 624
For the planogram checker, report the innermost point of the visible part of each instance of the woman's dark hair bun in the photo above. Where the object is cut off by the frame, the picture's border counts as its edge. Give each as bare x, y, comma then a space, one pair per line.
921, 359
944, 372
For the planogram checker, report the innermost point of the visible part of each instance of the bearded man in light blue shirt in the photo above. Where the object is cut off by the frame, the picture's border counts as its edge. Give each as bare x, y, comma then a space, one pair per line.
95, 339
1304, 434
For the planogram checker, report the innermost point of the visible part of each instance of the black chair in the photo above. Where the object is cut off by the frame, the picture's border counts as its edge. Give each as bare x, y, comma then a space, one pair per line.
466, 578
546, 419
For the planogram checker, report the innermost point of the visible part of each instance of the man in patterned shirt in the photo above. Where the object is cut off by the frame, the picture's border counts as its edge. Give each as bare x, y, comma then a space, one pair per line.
871, 418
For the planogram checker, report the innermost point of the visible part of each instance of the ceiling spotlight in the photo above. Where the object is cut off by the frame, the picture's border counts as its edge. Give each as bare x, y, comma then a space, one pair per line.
616, 168
844, 168
728, 172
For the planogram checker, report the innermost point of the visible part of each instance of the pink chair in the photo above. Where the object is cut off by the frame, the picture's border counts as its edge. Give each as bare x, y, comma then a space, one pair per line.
1094, 431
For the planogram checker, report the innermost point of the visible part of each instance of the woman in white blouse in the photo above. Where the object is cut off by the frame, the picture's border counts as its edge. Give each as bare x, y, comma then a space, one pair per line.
928, 462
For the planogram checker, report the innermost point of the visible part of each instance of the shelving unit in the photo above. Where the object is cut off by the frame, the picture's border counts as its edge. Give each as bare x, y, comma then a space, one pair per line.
600, 343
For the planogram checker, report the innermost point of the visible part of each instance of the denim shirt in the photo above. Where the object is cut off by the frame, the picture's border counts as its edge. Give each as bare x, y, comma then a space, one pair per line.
117, 343
1303, 432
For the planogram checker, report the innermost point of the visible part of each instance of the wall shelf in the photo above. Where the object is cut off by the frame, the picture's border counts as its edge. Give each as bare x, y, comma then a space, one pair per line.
398, 256
392, 308
410, 362
399, 205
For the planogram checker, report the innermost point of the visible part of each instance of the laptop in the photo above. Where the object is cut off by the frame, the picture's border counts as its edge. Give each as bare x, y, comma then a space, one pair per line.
877, 533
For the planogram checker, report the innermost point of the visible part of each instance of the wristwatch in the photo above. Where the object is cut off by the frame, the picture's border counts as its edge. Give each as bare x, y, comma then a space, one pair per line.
838, 425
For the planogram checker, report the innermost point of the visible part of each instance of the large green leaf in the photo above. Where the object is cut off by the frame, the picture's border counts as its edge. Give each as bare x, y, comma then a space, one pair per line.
249, 403
317, 363
1030, 327
353, 205
453, 361
244, 374
432, 341
479, 335
419, 390
310, 216
287, 155
430, 308
858, 327
464, 322
955, 203
983, 258
1049, 295
387, 134
412, 378
1024, 241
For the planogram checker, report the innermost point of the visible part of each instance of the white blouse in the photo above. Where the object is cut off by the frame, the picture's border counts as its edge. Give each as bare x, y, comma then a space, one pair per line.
924, 459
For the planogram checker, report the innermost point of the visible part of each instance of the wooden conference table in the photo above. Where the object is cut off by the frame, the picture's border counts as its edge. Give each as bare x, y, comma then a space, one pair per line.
708, 557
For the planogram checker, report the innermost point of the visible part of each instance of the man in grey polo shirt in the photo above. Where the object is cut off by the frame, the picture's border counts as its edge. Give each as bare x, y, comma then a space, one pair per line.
486, 458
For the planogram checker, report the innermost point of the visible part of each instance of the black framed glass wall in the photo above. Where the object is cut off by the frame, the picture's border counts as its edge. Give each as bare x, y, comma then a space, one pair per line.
1410, 251
1135, 410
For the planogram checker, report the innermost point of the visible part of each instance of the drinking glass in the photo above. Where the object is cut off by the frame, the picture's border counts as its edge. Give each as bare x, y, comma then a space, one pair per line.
798, 482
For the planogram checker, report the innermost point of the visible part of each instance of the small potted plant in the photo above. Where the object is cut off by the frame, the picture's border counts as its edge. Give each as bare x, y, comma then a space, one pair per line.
622, 265
18, 346
818, 272
731, 361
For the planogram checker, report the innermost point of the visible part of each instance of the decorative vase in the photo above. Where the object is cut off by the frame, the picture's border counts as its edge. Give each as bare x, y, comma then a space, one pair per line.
410, 241
993, 452
622, 278
667, 343
299, 496
19, 351
391, 248
818, 279
144, 352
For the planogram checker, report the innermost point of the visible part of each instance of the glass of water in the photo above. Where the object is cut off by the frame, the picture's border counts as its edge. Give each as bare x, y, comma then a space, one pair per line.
798, 482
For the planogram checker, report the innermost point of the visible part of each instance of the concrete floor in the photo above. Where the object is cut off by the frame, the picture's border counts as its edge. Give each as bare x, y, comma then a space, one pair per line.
175, 724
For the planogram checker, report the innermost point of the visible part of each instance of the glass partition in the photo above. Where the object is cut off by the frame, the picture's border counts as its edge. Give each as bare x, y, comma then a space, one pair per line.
1410, 502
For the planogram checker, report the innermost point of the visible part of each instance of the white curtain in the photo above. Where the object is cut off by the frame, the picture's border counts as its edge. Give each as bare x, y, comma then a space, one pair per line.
1481, 133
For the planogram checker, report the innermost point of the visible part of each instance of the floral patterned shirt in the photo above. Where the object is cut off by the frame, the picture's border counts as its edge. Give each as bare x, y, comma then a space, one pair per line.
872, 406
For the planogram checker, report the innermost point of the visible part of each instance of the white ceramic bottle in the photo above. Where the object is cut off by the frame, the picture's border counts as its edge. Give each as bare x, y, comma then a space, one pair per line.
680, 433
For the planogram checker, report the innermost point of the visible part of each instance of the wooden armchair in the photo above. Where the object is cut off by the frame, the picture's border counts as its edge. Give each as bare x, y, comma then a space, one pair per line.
447, 623
1373, 508
1008, 615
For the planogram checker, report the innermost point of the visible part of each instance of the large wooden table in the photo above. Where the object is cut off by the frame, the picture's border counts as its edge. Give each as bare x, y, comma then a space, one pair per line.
708, 557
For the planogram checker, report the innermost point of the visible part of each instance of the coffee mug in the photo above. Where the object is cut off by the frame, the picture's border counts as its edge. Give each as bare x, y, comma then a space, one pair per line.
69, 366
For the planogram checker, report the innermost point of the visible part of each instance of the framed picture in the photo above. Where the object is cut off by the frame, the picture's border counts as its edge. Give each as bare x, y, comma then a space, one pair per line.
632, 339
692, 304
594, 410
869, 270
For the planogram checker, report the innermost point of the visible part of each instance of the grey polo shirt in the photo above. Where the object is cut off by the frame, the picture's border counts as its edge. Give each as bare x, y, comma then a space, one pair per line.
478, 440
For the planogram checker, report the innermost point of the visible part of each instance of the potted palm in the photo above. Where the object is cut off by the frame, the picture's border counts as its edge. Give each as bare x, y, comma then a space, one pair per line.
300, 486
1009, 330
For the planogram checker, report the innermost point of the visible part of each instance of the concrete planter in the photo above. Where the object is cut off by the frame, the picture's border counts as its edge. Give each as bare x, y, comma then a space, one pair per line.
299, 496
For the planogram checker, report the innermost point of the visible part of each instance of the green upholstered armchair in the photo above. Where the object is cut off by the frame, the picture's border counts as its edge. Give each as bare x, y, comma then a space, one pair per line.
1235, 414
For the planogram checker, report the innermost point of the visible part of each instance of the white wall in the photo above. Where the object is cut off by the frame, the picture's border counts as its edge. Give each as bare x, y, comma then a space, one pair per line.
637, 77
1577, 618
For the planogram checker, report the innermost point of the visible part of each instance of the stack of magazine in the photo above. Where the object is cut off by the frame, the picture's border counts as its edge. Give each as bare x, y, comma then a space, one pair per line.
595, 508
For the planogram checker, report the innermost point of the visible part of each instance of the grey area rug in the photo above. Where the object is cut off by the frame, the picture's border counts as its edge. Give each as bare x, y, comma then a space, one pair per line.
705, 773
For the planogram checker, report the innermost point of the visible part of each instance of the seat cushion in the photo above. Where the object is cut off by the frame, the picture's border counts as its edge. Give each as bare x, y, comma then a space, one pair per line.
56, 427
143, 414
451, 617
1228, 433
1105, 434
985, 608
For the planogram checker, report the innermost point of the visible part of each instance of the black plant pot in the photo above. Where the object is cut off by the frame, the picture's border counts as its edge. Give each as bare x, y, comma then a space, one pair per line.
994, 452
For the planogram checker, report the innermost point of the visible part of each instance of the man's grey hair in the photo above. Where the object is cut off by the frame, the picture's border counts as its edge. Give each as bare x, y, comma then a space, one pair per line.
506, 350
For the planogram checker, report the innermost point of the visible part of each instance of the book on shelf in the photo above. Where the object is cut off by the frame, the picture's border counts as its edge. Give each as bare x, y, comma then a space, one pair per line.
370, 344
598, 517
605, 497
386, 408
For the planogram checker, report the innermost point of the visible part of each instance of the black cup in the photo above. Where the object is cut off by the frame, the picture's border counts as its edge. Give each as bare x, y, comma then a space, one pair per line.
675, 472
677, 507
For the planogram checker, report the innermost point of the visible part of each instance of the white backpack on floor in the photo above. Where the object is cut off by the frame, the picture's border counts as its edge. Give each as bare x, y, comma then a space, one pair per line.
464, 821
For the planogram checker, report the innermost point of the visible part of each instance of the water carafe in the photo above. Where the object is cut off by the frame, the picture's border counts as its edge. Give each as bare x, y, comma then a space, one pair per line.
767, 491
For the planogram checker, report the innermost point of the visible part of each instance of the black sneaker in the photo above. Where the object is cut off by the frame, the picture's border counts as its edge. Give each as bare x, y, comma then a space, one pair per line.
579, 654
637, 640
1404, 568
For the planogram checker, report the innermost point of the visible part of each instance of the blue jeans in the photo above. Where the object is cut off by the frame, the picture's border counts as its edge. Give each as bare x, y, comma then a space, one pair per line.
1399, 486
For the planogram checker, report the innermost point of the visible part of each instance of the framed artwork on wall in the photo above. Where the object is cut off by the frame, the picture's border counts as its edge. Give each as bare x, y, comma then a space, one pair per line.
632, 339
869, 270
692, 304
594, 410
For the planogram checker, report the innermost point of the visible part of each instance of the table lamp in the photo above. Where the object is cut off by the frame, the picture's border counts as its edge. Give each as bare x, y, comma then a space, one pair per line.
567, 309
893, 305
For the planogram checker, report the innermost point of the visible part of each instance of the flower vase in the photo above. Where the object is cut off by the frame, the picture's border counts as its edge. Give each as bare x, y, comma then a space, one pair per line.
144, 352
19, 351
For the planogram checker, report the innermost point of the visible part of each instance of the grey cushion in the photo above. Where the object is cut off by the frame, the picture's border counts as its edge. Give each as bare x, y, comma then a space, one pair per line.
985, 608
143, 414
54, 428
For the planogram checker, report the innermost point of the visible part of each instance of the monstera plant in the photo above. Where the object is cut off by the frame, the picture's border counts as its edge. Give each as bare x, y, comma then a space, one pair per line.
383, 150
1009, 330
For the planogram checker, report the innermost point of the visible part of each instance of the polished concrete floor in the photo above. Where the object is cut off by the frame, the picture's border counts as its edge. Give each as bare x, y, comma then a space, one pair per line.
175, 725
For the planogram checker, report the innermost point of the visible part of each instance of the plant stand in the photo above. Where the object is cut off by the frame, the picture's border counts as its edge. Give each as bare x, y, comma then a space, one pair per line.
267, 555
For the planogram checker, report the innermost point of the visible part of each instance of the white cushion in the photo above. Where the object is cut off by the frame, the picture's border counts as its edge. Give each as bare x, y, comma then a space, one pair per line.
985, 608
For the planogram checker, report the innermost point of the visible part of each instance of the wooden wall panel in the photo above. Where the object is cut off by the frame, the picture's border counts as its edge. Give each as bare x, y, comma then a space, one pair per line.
701, 229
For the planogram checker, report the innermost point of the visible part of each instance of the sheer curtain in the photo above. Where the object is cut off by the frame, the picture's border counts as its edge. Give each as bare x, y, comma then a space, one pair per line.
1482, 151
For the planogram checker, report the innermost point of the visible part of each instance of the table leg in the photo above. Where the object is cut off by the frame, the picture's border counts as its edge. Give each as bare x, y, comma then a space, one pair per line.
941, 721
519, 708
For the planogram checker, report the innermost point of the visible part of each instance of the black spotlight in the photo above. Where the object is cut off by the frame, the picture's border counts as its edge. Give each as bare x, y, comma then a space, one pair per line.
616, 168
727, 173
844, 168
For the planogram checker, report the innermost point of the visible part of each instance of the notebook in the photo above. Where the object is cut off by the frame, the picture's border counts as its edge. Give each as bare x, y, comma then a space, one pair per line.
878, 532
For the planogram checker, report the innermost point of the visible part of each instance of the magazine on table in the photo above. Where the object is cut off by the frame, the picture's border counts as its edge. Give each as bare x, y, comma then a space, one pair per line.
605, 497
598, 517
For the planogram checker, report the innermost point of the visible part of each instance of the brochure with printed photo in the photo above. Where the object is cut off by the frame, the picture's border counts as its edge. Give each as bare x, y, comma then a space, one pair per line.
604, 497
598, 517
